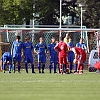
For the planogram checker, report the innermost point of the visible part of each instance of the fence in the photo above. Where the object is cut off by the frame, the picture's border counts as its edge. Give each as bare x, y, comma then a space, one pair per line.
9, 34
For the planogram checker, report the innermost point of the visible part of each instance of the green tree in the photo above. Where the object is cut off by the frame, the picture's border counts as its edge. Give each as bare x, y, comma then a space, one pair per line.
16, 11
92, 13
91, 16
49, 10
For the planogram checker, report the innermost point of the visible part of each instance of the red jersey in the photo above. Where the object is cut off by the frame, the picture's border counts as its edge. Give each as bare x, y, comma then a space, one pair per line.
62, 48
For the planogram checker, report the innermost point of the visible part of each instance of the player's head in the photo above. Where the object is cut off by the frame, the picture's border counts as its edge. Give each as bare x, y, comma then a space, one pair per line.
17, 38
41, 39
53, 40
27, 38
61, 38
56, 41
70, 40
81, 40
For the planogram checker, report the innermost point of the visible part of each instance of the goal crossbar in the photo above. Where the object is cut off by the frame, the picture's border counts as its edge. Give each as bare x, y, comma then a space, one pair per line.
55, 29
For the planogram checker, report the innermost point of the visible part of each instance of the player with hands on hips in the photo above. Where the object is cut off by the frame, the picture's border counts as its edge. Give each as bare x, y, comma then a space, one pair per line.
40, 49
53, 55
28, 54
17, 53
70, 54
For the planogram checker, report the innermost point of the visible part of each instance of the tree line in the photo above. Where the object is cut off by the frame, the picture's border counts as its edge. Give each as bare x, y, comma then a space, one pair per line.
21, 11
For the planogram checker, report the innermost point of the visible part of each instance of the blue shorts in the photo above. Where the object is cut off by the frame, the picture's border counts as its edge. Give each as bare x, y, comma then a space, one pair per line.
17, 57
70, 56
42, 58
28, 59
5, 59
54, 58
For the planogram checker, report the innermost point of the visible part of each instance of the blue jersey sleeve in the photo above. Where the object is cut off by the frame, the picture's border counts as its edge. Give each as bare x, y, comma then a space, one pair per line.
77, 44
36, 46
13, 44
49, 47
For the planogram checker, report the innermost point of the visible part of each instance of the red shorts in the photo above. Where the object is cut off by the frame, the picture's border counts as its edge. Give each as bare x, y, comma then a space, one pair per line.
62, 60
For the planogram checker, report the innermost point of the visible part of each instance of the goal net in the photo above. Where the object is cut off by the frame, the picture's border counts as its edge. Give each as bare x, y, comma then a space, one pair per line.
89, 36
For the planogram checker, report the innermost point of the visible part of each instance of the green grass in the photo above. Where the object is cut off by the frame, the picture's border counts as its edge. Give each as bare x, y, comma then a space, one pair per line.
49, 86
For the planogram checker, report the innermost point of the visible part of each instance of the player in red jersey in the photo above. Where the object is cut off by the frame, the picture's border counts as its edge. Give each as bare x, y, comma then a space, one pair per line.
62, 48
80, 57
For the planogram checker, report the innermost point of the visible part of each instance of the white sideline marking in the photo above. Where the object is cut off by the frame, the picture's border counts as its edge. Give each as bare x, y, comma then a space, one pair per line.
51, 81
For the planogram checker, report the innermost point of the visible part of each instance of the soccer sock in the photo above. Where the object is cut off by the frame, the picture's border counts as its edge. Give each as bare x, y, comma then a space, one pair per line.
54, 68
71, 66
26, 67
19, 68
58, 68
43, 66
50, 67
14, 67
64, 67
39, 66
61, 70
67, 67
75, 67
32, 68
4, 65
10, 67
78, 67
81, 67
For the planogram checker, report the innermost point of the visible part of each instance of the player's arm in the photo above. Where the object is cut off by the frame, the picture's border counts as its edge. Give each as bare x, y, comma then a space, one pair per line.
35, 49
75, 55
48, 49
76, 44
22, 46
12, 47
85, 48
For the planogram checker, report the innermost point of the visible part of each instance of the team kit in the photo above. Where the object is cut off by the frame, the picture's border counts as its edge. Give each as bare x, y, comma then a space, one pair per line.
63, 55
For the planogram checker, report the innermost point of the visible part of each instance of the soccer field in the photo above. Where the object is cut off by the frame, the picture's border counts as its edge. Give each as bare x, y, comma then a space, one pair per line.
49, 86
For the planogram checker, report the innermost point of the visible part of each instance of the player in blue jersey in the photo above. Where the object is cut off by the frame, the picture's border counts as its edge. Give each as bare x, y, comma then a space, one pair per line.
53, 55
17, 52
40, 49
81, 44
6, 59
70, 54
28, 54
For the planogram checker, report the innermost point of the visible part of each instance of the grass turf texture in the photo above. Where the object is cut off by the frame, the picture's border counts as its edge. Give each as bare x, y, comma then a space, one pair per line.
49, 86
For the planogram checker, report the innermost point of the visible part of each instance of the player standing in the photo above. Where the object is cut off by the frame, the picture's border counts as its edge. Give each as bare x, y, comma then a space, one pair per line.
82, 45
63, 50
80, 57
70, 54
28, 54
40, 49
66, 39
6, 59
53, 55
17, 52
